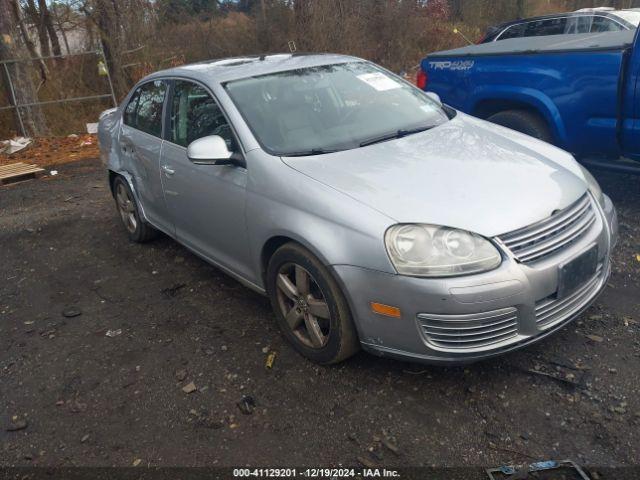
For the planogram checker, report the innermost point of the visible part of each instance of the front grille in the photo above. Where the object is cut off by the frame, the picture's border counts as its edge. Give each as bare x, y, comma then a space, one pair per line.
458, 332
551, 234
551, 310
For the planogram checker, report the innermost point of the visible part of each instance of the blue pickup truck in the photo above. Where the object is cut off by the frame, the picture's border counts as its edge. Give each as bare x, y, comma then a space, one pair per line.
579, 92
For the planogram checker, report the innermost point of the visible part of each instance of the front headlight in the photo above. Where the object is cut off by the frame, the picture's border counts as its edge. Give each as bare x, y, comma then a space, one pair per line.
593, 186
433, 251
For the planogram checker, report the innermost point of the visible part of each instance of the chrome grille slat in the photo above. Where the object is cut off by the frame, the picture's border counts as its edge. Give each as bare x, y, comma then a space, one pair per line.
551, 234
468, 316
471, 334
569, 236
464, 343
555, 304
550, 311
465, 331
567, 215
487, 325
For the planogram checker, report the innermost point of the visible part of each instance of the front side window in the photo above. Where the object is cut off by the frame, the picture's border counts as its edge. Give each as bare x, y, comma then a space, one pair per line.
331, 107
514, 31
144, 110
602, 24
195, 114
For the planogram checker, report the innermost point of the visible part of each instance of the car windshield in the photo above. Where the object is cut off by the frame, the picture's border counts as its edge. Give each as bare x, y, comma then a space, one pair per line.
630, 16
327, 108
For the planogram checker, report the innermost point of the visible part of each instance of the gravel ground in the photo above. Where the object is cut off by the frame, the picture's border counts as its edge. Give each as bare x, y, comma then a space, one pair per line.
72, 395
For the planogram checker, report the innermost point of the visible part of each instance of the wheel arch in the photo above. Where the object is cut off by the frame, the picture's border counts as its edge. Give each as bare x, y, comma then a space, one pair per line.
273, 243
126, 176
488, 104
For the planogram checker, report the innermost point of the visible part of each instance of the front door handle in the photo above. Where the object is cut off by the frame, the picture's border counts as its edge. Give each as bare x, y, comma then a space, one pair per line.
168, 170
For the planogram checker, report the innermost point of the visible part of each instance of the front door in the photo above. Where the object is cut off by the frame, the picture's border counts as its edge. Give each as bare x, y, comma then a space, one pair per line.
206, 202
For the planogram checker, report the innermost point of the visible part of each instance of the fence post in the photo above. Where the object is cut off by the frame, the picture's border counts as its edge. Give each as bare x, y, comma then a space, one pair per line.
13, 99
106, 67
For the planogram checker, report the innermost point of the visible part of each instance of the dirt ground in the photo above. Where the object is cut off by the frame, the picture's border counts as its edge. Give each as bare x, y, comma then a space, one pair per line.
100, 338
53, 151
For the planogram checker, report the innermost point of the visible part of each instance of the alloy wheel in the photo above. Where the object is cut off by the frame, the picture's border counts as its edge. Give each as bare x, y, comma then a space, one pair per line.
126, 207
303, 305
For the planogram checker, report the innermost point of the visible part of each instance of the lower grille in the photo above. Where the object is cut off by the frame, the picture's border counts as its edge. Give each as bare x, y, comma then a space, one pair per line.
551, 310
459, 332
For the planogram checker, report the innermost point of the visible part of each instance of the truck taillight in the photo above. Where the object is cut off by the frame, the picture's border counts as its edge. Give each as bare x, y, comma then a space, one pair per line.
422, 79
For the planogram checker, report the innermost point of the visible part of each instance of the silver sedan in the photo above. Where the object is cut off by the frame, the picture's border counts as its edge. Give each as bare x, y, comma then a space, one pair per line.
371, 214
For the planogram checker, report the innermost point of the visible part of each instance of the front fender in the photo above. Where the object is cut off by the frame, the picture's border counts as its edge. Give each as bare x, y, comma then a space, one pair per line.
283, 202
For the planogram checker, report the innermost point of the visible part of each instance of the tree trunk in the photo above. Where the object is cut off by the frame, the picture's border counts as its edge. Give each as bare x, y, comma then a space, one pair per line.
36, 19
20, 73
45, 15
17, 11
105, 17
62, 32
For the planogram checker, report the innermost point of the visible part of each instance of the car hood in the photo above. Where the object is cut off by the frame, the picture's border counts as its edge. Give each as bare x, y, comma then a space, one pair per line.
467, 174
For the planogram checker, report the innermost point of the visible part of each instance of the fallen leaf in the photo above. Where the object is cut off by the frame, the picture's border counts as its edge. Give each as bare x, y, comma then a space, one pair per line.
270, 359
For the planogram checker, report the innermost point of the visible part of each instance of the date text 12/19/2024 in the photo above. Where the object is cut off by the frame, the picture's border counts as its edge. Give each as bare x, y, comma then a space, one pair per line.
291, 473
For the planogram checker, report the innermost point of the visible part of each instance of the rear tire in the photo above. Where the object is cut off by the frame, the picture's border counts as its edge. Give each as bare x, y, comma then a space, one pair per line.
310, 308
138, 230
525, 122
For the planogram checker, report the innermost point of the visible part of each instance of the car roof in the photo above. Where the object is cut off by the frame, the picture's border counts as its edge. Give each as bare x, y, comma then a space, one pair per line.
234, 68
577, 13
547, 43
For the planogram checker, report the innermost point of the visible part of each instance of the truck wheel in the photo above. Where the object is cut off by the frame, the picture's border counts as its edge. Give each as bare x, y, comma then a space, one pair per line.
523, 121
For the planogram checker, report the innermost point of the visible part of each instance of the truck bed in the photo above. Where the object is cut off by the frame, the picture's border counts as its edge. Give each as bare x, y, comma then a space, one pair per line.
546, 44
571, 81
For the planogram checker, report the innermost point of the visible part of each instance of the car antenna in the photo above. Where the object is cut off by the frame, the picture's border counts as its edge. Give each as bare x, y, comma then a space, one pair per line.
455, 30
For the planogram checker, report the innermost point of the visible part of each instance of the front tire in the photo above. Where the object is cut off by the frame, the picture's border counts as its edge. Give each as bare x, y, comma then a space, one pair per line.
525, 122
138, 230
311, 310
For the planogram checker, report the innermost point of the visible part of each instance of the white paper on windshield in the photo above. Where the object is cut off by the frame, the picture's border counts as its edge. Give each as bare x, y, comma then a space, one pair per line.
379, 81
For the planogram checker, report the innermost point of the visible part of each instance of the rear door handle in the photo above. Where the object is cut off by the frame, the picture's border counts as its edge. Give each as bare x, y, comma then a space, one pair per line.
126, 144
168, 170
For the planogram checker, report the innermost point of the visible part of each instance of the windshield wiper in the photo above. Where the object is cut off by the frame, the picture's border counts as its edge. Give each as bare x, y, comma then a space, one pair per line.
393, 135
308, 153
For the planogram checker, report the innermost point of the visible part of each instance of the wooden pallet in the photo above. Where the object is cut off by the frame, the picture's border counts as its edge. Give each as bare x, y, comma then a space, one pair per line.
17, 172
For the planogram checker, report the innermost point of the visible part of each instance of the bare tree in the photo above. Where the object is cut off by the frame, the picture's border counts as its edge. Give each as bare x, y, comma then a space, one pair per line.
19, 74
31, 48
107, 18
37, 20
45, 19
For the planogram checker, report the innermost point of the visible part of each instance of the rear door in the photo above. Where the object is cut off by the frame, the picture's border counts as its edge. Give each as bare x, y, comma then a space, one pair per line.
207, 202
141, 143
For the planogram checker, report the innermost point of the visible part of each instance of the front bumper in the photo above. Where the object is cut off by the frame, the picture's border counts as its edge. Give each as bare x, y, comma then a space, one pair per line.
507, 308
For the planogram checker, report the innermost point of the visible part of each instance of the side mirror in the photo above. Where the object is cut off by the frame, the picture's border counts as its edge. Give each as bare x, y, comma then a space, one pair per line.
435, 97
212, 150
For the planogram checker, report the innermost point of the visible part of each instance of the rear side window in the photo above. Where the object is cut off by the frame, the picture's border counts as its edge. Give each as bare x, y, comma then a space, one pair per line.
144, 110
195, 114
